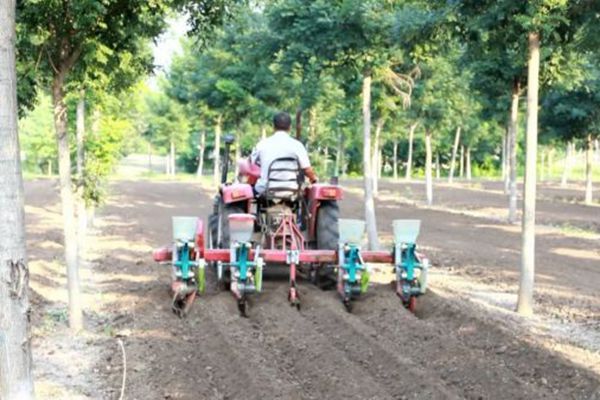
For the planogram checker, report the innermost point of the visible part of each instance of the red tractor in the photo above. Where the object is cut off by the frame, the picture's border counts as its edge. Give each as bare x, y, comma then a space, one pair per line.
291, 220
291, 226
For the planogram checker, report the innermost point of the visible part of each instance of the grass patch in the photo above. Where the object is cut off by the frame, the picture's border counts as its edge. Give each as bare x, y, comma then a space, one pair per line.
571, 230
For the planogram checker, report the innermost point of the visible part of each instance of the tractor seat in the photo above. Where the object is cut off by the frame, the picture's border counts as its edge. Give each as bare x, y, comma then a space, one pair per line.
284, 180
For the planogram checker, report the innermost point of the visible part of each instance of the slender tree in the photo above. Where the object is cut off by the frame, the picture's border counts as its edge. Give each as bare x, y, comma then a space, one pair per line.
525, 303
409, 157
64, 41
454, 151
512, 151
15, 340
368, 178
201, 148
428, 167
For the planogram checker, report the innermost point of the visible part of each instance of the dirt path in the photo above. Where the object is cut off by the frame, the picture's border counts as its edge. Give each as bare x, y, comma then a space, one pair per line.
379, 352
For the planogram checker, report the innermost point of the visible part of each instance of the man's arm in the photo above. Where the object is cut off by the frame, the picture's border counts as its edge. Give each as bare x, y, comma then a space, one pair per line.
304, 162
310, 174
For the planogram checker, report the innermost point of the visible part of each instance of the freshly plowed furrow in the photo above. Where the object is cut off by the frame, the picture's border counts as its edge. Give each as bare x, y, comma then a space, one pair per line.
379, 356
474, 373
325, 344
265, 376
324, 371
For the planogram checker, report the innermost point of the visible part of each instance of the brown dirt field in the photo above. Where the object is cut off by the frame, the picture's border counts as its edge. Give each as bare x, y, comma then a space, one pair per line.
456, 346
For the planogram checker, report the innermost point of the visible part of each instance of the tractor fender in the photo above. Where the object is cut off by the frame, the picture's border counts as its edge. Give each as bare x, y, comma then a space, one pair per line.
316, 194
237, 192
324, 191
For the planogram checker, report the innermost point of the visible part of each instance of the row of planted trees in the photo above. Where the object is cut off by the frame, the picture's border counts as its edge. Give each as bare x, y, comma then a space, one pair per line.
432, 79
456, 72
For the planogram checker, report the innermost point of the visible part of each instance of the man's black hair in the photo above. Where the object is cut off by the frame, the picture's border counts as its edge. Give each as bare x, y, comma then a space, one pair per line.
282, 121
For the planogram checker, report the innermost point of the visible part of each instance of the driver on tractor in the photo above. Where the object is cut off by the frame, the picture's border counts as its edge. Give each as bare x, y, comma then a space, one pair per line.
281, 158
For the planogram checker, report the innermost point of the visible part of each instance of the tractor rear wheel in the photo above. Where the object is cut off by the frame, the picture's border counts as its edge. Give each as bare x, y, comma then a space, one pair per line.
213, 231
328, 236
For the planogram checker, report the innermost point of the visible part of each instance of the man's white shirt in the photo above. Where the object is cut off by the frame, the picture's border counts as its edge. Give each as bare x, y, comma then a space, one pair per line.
279, 145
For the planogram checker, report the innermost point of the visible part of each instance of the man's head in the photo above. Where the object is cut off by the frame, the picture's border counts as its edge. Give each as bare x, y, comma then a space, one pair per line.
282, 121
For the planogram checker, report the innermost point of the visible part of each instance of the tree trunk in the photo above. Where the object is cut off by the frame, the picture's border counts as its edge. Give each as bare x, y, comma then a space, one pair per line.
454, 151
589, 156
325, 161
172, 158
503, 162
81, 230
428, 167
377, 155
567, 165
81, 211
395, 161
263, 132
16, 380
411, 136
461, 171
94, 132
217, 151
201, 148
381, 162
312, 128
168, 164
338, 154
149, 157
80, 133
468, 162
68, 207
91, 215
512, 152
50, 167
525, 303
505, 166
370, 220
550, 162
238, 156
542, 165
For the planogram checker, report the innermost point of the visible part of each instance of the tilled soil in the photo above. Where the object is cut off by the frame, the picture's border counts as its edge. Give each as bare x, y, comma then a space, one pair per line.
380, 351
555, 205
485, 250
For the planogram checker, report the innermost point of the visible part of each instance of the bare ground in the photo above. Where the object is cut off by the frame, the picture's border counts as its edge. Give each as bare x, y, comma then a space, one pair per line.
458, 346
